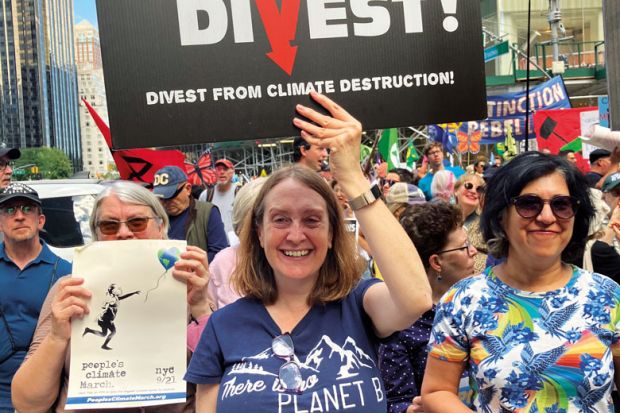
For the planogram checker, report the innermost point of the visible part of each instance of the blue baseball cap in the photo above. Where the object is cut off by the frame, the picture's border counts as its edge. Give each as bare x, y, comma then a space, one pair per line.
166, 180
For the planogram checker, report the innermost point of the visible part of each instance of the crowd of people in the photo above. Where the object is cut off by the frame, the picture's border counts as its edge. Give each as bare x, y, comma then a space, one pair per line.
491, 288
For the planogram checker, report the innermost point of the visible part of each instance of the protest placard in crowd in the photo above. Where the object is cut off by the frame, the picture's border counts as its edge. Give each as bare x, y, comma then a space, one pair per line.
181, 72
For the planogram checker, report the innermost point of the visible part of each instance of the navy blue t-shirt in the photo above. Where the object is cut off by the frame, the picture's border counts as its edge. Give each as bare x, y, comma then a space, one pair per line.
22, 293
334, 345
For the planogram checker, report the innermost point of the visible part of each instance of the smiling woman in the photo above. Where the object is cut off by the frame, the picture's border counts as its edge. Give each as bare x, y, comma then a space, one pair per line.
305, 335
534, 333
122, 211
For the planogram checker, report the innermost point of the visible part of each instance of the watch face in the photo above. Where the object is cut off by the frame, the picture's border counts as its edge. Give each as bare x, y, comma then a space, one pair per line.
376, 191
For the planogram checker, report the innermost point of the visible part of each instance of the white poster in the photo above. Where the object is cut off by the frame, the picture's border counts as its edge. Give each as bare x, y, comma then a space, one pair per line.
131, 349
588, 120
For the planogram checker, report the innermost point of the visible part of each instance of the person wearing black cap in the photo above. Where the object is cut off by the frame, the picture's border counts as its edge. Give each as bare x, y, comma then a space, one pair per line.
312, 156
197, 222
602, 163
28, 269
6, 169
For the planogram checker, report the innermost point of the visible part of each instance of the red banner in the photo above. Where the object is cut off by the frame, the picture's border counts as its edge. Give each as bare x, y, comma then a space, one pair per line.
560, 128
137, 165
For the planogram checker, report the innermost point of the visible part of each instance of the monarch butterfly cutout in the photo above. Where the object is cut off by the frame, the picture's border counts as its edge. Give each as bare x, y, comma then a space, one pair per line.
468, 142
200, 172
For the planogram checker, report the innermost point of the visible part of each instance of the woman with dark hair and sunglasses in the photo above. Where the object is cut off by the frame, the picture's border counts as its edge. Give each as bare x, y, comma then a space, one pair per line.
535, 334
122, 211
304, 336
468, 191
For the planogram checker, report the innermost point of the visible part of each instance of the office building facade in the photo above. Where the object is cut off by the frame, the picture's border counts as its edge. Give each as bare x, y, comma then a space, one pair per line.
96, 156
38, 81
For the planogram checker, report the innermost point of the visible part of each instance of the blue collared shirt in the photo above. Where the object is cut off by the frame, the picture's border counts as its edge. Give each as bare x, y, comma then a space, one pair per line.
22, 293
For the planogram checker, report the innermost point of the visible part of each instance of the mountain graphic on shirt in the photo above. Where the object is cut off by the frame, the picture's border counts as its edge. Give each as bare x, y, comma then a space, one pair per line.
349, 355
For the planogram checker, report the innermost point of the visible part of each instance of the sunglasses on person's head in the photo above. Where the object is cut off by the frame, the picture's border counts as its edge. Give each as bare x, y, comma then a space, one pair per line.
530, 206
289, 374
12, 210
470, 186
112, 226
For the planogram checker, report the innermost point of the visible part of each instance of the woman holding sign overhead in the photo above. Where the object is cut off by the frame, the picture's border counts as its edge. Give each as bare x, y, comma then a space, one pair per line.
304, 336
123, 211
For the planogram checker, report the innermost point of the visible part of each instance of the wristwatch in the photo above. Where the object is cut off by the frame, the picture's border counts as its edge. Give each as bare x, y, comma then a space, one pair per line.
366, 198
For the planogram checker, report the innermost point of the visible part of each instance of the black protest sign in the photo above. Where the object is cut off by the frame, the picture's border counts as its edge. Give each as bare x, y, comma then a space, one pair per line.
194, 71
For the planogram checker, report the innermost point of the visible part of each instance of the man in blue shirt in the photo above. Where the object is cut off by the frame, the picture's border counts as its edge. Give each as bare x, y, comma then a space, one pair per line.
199, 223
28, 268
434, 153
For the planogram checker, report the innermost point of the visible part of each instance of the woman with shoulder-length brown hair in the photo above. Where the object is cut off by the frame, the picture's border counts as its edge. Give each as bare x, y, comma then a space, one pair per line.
341, 269
305, 335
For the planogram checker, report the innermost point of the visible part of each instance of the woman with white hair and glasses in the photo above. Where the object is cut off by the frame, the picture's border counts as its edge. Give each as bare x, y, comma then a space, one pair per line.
535, 334
123, 211
304, 336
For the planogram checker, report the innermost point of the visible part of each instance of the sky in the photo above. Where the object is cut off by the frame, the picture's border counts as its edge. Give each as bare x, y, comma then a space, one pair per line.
85, 9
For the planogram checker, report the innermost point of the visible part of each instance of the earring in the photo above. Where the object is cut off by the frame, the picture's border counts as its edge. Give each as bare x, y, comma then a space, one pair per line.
439, 277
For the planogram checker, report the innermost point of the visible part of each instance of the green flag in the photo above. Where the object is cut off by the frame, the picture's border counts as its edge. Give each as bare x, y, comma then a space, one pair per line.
364, 152
388, 148
574, 146
412, 154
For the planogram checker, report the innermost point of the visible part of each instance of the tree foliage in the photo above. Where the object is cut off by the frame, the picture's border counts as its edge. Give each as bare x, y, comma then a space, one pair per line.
52, 163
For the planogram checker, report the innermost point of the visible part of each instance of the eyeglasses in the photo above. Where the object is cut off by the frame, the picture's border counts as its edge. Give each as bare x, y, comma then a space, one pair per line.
469, 186
4, 163
467, 247
530, 206
389, 182
12, 210
111, 227
433, 153
289, 374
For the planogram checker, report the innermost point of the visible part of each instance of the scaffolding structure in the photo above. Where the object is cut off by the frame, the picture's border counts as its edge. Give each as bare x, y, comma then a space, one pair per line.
251, 158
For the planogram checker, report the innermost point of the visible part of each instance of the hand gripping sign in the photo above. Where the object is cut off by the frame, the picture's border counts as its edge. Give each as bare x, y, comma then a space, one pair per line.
190, 71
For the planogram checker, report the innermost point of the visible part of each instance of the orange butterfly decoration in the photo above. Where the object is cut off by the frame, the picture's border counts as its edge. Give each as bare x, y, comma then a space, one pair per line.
200, 172
468, 142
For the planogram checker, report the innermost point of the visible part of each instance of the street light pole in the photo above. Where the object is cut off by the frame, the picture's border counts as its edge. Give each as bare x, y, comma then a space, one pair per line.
611, 13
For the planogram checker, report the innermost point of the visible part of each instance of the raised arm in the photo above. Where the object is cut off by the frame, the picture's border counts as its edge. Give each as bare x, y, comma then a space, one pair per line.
406, 293
122, 297
36, 384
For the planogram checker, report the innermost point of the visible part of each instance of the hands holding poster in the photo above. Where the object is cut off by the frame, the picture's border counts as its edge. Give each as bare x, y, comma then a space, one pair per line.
130, 350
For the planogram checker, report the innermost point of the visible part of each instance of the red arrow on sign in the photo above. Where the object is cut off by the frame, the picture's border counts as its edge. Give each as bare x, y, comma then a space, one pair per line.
280, 27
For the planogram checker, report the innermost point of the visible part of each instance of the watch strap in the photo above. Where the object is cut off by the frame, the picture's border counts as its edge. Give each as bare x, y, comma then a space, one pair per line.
366, 198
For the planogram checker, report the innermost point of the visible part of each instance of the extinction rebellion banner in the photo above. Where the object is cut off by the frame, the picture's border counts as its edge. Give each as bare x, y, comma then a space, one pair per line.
194, 71
508, 110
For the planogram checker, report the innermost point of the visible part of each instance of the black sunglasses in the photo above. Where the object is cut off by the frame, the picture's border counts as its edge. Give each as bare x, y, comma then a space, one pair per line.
530, 206
469, 186
389, 182
5, 163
